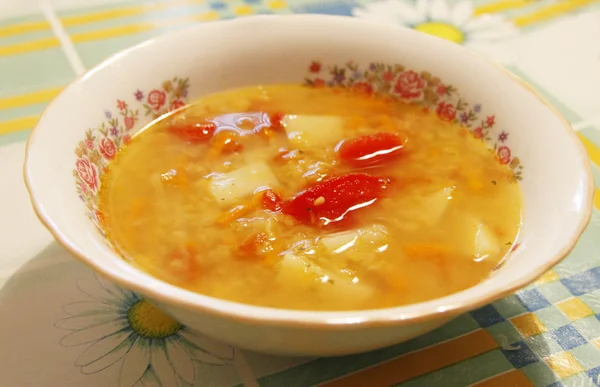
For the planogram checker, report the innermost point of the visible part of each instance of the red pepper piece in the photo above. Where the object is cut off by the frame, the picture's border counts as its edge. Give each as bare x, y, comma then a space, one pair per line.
194, 132
334, 200
271, 200
371, 150
276, 121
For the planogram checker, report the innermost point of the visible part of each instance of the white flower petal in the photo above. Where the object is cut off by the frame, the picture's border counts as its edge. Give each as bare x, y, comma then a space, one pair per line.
97, 292
117, 291
86, 321
206, 344
135, 364
180, 360
485, 22
392, 11
161, 366
439, 10
102, 347
462, 12
95, 333
205, 357
421, 7
151, 380
89, 307
109, 358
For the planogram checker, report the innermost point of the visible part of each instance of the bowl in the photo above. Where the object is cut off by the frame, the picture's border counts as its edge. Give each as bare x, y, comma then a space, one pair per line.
83, 127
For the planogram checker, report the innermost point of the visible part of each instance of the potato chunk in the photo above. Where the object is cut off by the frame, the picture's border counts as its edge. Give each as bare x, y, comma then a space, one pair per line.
297, 270
480, 241
313, 131
486, 243
364, 237
229, 188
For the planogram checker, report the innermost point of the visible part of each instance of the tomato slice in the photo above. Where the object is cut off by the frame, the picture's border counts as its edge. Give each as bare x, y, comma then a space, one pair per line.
371, 150
271, 200
194, 132
332, 202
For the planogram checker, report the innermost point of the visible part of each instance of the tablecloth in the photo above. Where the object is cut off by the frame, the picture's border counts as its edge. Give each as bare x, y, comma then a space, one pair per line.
61, 325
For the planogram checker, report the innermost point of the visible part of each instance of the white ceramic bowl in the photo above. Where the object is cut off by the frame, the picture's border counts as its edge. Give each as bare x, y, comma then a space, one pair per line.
78, 134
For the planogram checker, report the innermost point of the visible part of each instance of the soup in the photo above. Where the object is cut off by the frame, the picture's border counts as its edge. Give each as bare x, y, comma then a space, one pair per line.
310, 198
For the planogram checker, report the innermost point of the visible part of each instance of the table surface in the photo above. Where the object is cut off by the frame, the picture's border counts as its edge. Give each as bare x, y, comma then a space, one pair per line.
60, 325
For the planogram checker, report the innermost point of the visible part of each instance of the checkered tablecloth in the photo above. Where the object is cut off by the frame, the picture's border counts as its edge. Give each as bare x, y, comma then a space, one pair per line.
56, 327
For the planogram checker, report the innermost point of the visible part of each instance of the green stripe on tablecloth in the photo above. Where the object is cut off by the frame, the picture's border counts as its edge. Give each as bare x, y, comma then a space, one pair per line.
32, 71
539, 374
325, 369
467, 372
147, 17
94, 52
25, 37
592, 133
14, 137
24, 111
596, 173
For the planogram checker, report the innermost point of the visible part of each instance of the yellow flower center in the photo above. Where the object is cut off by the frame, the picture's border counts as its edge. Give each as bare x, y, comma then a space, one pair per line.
150, 322
442, 30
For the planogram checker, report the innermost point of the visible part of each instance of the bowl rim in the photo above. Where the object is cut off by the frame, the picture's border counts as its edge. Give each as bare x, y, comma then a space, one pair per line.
324, 320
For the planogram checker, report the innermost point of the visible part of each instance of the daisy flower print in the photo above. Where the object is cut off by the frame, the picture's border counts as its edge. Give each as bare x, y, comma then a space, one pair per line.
450, 20
117, 328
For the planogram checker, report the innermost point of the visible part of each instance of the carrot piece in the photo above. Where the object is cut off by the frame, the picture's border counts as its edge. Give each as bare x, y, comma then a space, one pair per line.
235, 213
241, 209
255, 246
194, 131
271, 200
432, 252
226, 141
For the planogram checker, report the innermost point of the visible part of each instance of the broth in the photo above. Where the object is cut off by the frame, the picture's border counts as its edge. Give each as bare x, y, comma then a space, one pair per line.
310, 198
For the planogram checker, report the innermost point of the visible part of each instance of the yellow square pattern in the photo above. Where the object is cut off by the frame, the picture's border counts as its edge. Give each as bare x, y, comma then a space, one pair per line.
550, 276
564, 364
596, 343
529, 324
243, 10
207, 16
575, 309
277, 4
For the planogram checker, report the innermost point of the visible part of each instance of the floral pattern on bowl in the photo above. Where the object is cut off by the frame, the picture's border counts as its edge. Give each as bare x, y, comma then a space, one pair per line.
101, 144
424, 89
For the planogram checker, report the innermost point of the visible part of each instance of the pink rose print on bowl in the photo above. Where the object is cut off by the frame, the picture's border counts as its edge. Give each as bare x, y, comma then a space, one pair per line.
446, 111
107, 148
396, 82
88, 172
156, 99
409, 85
504, 154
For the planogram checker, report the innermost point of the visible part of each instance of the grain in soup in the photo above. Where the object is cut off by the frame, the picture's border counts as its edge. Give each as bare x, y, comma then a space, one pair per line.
310, 198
